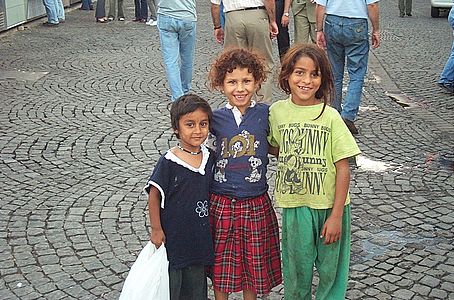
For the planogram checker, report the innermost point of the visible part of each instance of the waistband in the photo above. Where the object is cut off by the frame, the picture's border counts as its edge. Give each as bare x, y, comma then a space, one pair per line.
247, 8
342, 17
237, 199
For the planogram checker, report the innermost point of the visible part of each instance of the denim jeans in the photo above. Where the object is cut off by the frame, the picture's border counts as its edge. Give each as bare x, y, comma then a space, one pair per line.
447, 75
60, 10
178, 47
140, 9
51, 11
347, 41
86, 4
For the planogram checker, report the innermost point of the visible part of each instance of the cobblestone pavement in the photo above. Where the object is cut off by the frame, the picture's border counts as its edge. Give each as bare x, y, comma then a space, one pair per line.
84, 117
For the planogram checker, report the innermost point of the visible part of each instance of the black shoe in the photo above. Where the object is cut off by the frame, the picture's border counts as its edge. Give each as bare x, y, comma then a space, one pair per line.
351, 126
47, 24
409, 15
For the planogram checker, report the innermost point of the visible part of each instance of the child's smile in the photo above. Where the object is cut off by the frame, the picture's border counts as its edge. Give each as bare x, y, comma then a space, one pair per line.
304, 82
239, 87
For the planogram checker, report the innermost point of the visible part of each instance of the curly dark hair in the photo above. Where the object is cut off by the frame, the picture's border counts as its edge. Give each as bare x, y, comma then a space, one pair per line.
233, 58
326, 91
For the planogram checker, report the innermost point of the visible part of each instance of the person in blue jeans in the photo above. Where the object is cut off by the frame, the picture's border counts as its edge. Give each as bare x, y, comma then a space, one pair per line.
55, 12
342, 29
447, 75
86, 5
177, 21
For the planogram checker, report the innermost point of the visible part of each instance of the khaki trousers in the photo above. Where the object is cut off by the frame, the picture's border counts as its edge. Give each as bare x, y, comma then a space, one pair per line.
249, 29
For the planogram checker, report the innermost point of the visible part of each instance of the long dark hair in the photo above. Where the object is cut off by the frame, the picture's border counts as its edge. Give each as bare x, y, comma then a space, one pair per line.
326, 91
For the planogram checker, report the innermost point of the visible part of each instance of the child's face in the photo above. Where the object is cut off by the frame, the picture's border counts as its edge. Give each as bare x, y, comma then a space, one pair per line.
193, 129
304, 82
239, 87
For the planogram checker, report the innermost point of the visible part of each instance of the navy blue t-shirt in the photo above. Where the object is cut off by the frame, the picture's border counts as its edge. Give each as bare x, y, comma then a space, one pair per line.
184, 208
241, 152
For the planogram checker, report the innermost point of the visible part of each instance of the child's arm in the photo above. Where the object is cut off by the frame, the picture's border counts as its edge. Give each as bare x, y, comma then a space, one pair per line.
157, 234
273, 150
332, 228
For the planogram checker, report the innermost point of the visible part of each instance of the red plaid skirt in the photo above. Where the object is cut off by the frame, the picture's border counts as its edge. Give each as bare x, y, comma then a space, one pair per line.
246, 244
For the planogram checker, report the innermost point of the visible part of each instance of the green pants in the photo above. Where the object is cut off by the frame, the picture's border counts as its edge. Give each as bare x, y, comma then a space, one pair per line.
302, 248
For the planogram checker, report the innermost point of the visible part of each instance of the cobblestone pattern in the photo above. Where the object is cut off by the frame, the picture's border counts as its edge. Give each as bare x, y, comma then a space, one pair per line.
84, 117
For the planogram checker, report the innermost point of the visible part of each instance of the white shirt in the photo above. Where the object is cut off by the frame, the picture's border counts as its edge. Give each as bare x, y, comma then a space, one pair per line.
237, 113
231, 5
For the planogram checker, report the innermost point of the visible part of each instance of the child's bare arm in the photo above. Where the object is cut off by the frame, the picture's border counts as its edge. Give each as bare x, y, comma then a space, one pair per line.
273, 150
332, 228
157, 236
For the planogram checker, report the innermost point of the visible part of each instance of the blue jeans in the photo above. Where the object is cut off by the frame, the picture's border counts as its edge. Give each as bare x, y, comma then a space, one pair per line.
86, 4
447, 75
60, 9
178, 47
51, 11
347, 41
140, 9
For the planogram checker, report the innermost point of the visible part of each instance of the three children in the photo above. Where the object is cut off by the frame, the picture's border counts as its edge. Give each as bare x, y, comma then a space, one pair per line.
190, 185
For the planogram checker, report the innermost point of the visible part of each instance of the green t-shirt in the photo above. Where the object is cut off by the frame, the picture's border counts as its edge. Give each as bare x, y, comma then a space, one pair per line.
308, 149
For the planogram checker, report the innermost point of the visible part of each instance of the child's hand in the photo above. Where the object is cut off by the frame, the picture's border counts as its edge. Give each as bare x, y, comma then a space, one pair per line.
332, 229
157, 237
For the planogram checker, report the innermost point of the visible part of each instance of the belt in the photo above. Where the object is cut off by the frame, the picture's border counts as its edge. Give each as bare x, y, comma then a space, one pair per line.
248, 8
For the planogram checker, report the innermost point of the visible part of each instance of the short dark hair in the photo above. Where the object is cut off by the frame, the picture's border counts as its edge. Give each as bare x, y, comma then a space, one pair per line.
187, 104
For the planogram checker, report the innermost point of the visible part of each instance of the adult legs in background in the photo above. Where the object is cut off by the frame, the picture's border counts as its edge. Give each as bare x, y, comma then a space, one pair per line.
283, 38
60, 10
141, 10
152, 9
347, 38
86, 5
51, 11
177, 39
447, 75
249, 29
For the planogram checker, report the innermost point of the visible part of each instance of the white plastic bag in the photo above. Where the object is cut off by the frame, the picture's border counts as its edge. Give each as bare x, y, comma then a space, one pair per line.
148, 278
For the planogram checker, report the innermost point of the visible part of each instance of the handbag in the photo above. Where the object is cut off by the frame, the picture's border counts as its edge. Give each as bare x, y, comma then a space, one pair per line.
148, 278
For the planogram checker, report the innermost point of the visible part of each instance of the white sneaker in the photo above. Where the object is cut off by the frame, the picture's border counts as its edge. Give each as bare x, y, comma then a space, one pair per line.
152, 22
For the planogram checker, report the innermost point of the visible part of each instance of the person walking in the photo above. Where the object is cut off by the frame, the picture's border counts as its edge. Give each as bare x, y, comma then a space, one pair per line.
153, 17
405, 8
249, 24
100, 13
342, 29
116, 5
86, 5
282, 21
177, 23
447, 75
303, 20
140, 10
51, 12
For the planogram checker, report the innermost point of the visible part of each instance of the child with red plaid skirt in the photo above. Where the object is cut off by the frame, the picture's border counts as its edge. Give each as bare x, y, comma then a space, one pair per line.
244, 223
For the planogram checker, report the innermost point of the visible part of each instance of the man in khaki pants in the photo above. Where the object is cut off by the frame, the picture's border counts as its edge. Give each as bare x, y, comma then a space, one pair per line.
304, 19
249, 24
